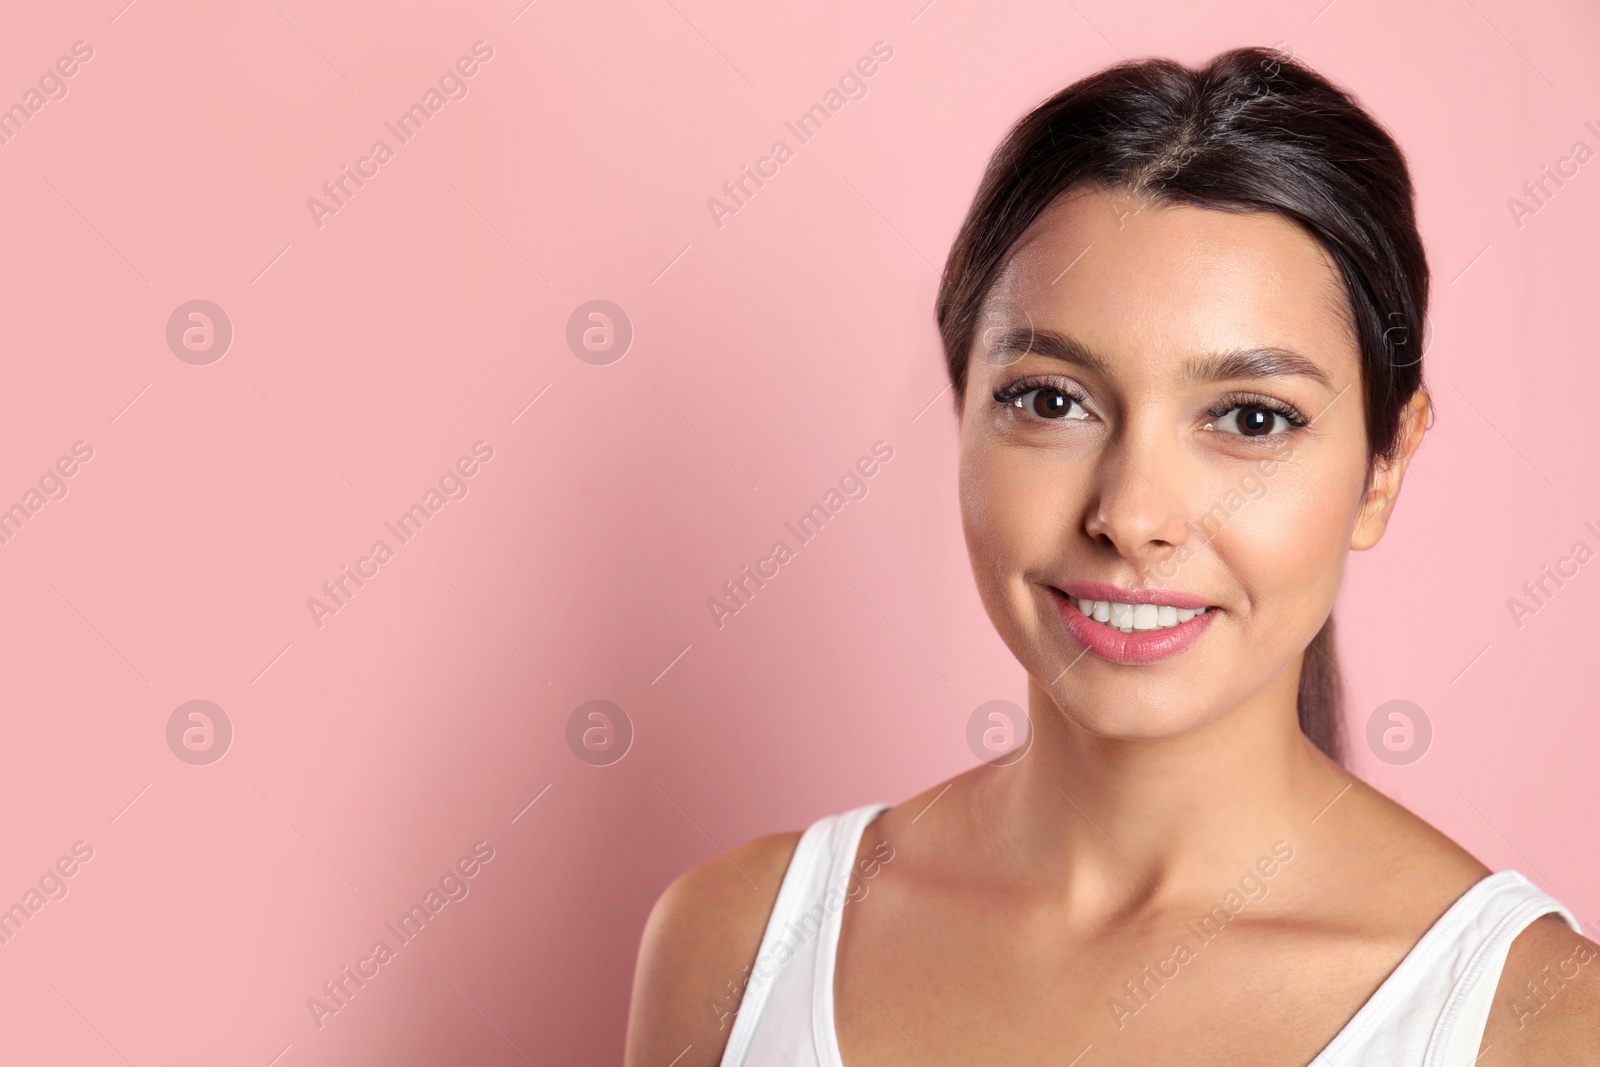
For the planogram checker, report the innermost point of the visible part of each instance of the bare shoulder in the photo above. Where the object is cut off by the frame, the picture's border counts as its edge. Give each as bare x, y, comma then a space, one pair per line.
1377, 845
1547, 1005
699, 942
1404, 842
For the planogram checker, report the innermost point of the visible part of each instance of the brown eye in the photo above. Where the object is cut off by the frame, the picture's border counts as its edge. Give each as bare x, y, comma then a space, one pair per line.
1048, 403
1253, 420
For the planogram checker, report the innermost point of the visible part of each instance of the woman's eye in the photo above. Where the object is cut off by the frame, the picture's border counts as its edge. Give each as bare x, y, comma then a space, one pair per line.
1253, 420
1048, 403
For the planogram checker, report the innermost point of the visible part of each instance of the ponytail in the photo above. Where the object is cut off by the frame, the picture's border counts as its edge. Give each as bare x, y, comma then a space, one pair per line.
1320, 702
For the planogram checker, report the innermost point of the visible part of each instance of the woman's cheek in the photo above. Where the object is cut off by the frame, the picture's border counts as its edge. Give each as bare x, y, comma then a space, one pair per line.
1020, 499
1014, 520
988, 519
1288, 553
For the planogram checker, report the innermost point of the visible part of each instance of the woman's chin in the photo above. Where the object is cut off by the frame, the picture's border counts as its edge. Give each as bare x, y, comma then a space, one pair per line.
1119, 719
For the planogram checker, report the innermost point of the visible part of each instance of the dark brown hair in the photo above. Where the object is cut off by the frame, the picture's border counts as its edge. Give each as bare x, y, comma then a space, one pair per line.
1253, 130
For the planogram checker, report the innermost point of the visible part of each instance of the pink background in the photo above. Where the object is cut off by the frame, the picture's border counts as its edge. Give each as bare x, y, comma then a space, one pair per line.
768, 354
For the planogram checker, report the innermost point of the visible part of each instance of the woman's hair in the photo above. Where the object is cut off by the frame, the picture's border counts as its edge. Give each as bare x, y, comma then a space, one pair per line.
1253, 130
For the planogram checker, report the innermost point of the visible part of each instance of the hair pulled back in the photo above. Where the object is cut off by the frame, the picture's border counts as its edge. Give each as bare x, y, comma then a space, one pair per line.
1252, 130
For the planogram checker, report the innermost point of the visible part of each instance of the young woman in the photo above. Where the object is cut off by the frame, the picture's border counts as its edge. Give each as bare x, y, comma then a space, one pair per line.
1183, 323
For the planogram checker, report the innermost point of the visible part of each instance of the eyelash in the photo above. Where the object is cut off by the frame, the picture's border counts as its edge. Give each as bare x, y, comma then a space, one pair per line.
1233, 401
1024, 386
1288, 412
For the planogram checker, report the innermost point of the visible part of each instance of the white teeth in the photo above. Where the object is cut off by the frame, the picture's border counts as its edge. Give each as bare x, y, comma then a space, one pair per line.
1131, 618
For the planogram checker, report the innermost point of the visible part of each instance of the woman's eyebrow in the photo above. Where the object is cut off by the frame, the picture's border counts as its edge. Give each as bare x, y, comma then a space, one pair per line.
1020, 340
1220, 366
1254, 363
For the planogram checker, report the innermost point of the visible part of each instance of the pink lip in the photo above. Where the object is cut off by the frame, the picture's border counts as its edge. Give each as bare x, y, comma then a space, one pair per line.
1102, 591
1139, 647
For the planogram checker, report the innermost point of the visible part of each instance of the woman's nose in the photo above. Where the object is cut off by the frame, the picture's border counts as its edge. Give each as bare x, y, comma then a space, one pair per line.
1139, 503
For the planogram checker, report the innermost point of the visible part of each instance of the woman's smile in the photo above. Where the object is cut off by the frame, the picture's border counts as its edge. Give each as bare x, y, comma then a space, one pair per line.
1133, 633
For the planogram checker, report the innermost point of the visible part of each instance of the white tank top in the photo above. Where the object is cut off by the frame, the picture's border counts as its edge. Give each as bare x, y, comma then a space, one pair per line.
1429, 1012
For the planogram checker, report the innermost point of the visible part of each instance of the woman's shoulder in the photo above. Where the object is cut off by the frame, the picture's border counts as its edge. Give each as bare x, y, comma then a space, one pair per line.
699, 942
1547, 1005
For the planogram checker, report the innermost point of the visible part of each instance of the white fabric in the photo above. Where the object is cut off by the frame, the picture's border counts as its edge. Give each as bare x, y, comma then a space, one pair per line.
1430, 1012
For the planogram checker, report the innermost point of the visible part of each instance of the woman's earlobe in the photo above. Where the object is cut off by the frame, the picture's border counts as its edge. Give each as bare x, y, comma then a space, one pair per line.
1372, 522
1418, 415
1378, 502
1376, 505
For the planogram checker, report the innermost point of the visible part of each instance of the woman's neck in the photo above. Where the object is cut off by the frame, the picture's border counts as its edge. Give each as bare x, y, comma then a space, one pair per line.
1113, 824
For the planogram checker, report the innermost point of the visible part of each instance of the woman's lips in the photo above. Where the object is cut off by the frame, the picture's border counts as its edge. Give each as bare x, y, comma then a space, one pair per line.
1141, 646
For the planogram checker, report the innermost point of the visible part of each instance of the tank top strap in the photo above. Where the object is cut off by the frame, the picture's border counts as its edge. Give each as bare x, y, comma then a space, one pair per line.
846, 841
1511, 904
786, 994
1433, 1007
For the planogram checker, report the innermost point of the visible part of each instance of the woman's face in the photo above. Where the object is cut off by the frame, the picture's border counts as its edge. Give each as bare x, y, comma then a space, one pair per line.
1179, 422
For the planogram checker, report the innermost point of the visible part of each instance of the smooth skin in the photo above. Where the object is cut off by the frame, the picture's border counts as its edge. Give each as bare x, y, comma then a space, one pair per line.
1021, 899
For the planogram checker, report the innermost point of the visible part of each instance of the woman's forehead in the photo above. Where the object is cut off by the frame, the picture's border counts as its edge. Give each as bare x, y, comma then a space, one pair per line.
1121, 273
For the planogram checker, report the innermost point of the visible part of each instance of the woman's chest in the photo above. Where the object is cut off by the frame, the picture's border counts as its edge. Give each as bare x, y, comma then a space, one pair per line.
963, 985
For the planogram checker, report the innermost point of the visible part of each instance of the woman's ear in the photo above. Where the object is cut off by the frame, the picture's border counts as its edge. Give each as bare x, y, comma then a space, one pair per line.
1384, 490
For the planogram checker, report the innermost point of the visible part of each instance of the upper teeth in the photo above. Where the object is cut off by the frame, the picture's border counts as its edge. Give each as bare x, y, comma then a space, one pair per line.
1131, 617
